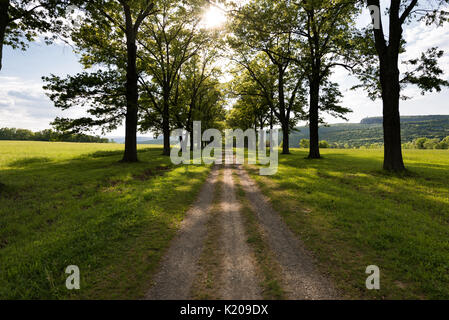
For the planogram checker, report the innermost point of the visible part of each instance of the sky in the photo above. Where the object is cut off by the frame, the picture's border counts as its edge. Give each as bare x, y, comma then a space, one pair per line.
23, 103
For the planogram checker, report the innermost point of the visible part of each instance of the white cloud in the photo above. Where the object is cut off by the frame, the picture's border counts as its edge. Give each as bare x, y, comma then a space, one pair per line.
23, 104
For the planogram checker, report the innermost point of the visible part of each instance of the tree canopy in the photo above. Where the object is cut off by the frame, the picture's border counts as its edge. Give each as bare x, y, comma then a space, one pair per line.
155, 65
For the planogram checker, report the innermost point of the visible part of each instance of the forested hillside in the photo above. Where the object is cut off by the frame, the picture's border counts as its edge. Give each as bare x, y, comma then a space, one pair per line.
369, 131
47, 135
404, 119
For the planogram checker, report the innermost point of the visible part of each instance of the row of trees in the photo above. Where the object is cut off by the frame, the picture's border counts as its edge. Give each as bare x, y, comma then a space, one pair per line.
148, 63
287, 51
426, 143
419, 143
47, 135
305, 143
155, 67
152, 64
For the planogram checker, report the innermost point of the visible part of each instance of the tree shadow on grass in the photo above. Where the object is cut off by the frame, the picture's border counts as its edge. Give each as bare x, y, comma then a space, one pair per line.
70, 213
366, 173
25, 162
105, 153
398, 221
367, 165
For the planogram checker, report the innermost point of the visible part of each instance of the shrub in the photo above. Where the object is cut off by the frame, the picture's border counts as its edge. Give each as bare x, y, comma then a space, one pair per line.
444, 144
419, 143
324, 144
431, 143
304, 143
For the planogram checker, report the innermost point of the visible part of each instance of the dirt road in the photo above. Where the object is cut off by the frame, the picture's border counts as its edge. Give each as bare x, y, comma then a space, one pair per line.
301, 280
239, 278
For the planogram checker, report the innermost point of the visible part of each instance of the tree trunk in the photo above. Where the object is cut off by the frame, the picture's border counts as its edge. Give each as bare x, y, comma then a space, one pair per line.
389, 77
166, 126
166, 133
132, 97
314, 151
189, 125
284, 117
4, 6
285, 139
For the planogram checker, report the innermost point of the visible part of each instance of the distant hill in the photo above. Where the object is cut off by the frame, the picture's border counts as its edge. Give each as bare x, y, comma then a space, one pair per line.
404, 119
153, 142
370, 131
140, 140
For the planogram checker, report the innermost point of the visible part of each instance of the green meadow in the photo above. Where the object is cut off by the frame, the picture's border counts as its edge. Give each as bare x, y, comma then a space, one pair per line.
67, 204
351, 214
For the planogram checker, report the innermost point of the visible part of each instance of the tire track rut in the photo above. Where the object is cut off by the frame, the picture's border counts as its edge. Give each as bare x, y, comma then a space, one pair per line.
239, 280
180, 264
301, 279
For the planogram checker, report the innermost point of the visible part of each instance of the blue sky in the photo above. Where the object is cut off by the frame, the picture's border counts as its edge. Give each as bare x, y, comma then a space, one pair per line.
23, 103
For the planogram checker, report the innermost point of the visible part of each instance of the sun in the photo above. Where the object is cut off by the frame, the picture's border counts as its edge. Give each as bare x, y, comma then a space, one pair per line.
213, 17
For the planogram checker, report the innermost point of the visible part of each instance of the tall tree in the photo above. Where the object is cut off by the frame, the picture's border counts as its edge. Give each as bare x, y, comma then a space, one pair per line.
385, 78
131, 30
255, 103
172, 38
107, 38
197, 79
324, 29
263, 26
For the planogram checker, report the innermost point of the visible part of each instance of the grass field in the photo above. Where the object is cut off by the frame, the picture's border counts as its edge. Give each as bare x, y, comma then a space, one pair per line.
351, 214
74, 204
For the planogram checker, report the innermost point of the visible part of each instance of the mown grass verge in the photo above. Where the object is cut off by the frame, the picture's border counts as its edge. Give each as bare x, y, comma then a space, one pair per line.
74, 204
351, 214
207, 282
